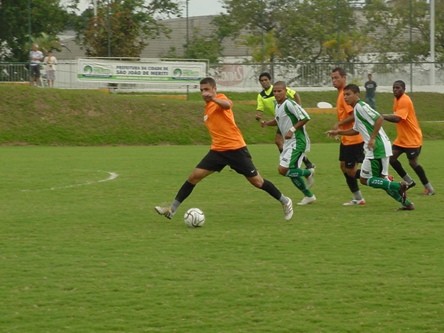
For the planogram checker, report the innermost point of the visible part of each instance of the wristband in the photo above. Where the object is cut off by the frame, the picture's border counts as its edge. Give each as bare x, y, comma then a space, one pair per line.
292, 129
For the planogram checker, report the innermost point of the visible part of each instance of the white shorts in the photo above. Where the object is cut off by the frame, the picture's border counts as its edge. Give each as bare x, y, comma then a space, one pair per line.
291, 157
375, 167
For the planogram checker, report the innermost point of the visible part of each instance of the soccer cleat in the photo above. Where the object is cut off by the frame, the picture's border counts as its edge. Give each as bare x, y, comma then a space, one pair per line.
410, 185
354, 202
310, 179
307, 200
402, 191
408, 207
310, 166
429, 192
288, 209
165, 211
390, 177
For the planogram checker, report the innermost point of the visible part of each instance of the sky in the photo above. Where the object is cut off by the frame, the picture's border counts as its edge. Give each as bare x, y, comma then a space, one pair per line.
195, 7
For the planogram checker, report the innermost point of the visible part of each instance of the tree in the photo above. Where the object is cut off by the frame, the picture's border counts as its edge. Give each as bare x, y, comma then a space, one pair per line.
312, 30
22, 21
123, 28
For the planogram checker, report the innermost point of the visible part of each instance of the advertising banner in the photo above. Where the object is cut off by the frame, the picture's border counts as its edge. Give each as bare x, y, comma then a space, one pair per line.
114, 71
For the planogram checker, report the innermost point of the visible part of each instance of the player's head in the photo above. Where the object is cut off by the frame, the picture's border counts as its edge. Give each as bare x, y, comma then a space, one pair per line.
351, 94
208, 89
398, 88
209, 80
280, 91
265, 80
338, 77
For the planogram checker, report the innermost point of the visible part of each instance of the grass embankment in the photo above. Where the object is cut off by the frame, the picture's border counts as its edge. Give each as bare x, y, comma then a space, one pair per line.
91, 117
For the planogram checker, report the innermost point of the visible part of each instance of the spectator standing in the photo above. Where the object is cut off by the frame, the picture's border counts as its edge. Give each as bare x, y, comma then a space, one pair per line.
35, 59
370, 92
50, 62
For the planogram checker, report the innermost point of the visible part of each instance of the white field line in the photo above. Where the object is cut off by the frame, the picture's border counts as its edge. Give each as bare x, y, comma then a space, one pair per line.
111, 176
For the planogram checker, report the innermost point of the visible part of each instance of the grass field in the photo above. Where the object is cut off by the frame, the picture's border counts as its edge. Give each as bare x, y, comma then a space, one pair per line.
83, 251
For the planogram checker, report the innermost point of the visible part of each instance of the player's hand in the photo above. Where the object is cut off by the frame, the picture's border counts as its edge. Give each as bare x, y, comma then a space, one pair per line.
263, 123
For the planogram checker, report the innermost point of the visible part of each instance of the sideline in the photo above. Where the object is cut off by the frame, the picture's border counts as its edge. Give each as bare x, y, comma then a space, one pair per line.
111, 176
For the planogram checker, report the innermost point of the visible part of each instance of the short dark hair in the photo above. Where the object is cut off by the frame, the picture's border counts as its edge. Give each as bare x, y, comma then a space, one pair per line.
280, 84
400, 82
266, 74
340, 70
208, 80
352, 87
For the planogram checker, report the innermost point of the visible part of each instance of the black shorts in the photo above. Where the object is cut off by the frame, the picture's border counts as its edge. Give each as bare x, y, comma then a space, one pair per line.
239, 160
410, 152
35, 71
351, 154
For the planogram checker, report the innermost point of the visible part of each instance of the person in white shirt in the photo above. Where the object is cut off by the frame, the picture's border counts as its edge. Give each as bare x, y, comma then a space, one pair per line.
50, 62
35, 58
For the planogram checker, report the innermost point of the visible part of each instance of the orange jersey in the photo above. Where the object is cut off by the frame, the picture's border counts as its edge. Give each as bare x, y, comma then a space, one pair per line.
225, 135
344, 110
409, 134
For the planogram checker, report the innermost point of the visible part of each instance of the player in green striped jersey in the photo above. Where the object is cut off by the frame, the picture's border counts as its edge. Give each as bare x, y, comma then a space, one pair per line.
377, 147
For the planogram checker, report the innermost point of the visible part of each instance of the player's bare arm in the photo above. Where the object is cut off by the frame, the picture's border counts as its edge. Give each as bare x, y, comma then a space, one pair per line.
392, 118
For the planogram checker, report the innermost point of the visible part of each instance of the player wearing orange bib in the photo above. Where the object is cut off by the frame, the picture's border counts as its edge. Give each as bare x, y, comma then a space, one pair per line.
351, 149
408, 139
228, 147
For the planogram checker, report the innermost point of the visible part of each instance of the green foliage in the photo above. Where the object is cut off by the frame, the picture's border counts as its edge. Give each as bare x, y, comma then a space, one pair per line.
123, 28
24, 21
79, 254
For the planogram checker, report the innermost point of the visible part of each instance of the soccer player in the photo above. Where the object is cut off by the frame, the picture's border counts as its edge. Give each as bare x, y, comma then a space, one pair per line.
374, 169
266, 102
408, 139
351, 149
227, 148
291, 118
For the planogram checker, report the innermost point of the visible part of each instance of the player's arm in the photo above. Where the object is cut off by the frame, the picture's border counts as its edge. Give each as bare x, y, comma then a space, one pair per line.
295, 127
347, 132
348, 120
297, 98
223, 103
259, 108
392, 118
268, 123
375, 132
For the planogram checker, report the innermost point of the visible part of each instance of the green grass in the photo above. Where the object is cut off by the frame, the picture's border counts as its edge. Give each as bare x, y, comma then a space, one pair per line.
78, 255
31, 116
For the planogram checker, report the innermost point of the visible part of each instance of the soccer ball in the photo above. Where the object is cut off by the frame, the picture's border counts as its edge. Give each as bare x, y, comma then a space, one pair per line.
194, 218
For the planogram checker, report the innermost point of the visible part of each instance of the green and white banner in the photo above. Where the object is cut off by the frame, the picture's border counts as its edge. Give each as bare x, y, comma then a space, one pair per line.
114, 71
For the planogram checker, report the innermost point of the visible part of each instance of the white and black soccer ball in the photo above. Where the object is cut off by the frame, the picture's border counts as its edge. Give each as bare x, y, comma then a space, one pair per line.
194, 218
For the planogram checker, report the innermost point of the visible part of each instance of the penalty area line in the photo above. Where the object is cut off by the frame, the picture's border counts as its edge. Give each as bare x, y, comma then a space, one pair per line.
111, 176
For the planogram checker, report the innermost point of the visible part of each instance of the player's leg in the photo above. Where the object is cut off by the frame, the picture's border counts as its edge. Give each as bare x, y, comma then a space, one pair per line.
397, 166
349, 157
210, 163
290, 166
241, 161
412, 156
374, 172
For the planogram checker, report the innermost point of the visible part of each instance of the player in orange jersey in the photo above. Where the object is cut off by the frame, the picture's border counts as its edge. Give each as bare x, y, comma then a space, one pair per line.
408, 139
228, 147
351, 149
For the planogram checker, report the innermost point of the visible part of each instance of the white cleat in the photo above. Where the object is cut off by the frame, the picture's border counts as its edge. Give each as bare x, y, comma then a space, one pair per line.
307, 200
165, 211
354, 202
288, 209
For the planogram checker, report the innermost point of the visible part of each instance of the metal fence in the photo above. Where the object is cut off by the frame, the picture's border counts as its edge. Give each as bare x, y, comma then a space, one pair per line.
244, 77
